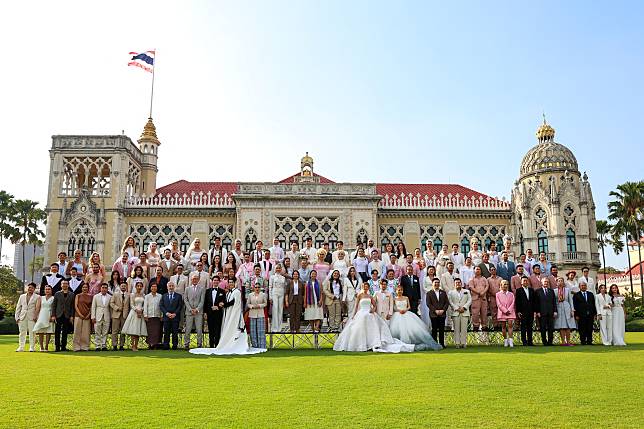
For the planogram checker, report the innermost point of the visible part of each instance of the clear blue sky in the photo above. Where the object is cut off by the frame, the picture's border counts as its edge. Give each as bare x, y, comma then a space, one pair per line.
404, 91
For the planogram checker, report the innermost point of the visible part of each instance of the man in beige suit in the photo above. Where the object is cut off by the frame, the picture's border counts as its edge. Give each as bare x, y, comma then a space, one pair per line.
460, 301
101, 317
447, 278
180, 280
332, 290
193, 298
167, 264
25, 315
201, 275
120, 308
384, 301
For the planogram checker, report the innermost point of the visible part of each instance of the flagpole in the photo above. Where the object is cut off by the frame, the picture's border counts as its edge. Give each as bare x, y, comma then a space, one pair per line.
154, 66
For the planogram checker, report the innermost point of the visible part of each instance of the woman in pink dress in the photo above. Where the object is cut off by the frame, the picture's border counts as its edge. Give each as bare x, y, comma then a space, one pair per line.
322, 267
505, 312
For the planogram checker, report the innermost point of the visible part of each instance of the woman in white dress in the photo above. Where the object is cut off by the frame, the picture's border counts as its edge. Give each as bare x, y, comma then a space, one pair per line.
313, 297
234, 340
368, 331
45, 325
425, 280
618, 315
441, 260
130, 247
153, 256
341, 264
408, 327
277, 290
352, 286
135, 323
194, 254
571, 282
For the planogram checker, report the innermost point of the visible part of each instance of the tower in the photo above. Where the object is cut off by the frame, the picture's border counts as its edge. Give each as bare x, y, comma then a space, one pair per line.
306, 171
149, 146
552, 206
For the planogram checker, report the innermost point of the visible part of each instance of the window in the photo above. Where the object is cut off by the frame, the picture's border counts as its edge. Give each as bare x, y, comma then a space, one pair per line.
250, 239
465, 245
438, 245
542, 241
571, 241
82, 237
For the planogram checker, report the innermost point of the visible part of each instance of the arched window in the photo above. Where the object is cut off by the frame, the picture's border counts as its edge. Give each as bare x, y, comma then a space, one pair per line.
465, 245
571, 241
362, 237
82, 236
542, 241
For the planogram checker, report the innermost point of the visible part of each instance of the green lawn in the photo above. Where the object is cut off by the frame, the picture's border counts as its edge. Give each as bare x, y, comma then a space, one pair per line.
478, 387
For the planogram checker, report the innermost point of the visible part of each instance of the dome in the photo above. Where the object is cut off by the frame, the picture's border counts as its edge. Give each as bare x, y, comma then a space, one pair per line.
547, 155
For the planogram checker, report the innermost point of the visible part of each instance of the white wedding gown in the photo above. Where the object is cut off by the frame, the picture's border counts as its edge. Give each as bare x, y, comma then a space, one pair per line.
367, 331
619, 324
409, 329
234, 340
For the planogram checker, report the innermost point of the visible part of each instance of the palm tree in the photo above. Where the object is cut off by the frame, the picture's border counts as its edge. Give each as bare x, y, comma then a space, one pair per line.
627, 210
27, 219
6, 217
604, 239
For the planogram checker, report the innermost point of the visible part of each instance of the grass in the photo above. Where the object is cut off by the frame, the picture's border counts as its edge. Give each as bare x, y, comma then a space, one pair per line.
477, 387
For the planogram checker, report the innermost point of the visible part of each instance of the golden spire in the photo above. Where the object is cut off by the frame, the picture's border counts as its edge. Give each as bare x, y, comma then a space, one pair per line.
149, 133
306, 166
545, 132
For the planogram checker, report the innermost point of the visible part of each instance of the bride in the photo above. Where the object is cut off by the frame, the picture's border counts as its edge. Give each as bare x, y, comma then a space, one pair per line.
234, 340
367, 331
408, 327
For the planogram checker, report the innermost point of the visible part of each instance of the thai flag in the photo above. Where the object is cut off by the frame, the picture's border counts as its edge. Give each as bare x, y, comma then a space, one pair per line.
144, 60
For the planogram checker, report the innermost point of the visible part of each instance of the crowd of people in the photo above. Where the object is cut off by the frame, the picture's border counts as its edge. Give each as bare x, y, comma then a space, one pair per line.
389, 300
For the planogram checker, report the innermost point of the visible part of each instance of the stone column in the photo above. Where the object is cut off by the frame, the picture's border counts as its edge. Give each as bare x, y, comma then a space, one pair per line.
412, 235
451, 233
200, 230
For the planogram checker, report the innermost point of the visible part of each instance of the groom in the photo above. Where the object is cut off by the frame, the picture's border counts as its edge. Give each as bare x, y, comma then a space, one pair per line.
214, 310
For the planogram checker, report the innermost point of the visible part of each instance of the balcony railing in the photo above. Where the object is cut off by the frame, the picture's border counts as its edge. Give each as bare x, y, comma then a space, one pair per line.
574, 256
192, 200
594, 256
441, 202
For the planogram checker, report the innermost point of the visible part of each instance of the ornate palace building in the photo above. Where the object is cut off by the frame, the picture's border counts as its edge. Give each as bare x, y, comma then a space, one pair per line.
103, 188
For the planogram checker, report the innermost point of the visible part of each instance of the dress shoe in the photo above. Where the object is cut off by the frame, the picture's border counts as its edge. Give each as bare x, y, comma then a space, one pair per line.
20, 349
115, 348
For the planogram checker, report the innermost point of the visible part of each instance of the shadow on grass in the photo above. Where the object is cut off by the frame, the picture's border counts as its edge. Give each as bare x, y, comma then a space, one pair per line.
11, 340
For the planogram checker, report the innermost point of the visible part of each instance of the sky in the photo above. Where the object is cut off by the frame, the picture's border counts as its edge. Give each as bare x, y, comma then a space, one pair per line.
401, 92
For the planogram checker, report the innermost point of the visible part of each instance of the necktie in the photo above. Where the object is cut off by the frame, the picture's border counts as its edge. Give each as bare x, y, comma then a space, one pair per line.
171, 296
585, 297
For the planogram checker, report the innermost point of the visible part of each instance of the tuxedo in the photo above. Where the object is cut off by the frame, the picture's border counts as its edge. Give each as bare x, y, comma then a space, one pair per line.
52, 280
524, 305
506, 270
63, 310
585, 312
546, 306
214, 317
411, 289
438, 321
171, 303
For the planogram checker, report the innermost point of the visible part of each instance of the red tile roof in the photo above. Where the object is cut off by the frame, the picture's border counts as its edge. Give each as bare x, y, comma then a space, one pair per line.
426, 189
635, 269
391, 189
184, 187
291, 179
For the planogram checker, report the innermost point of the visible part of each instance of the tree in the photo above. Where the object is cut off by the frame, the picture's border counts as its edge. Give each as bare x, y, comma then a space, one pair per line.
27, 218
611, 270
627, 211
7, 212
604, 239
36, 264
10, 289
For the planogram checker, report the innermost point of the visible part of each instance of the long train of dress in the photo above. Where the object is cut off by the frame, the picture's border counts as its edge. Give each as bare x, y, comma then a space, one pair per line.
408, 328
234, 340
367, 331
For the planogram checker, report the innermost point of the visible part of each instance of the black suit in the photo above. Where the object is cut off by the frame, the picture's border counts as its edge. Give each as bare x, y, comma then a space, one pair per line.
546, 307
585, 312
162, 285
55, 288
215, 317
63, 310
171, 326
525, 305
411, 289
438, 321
